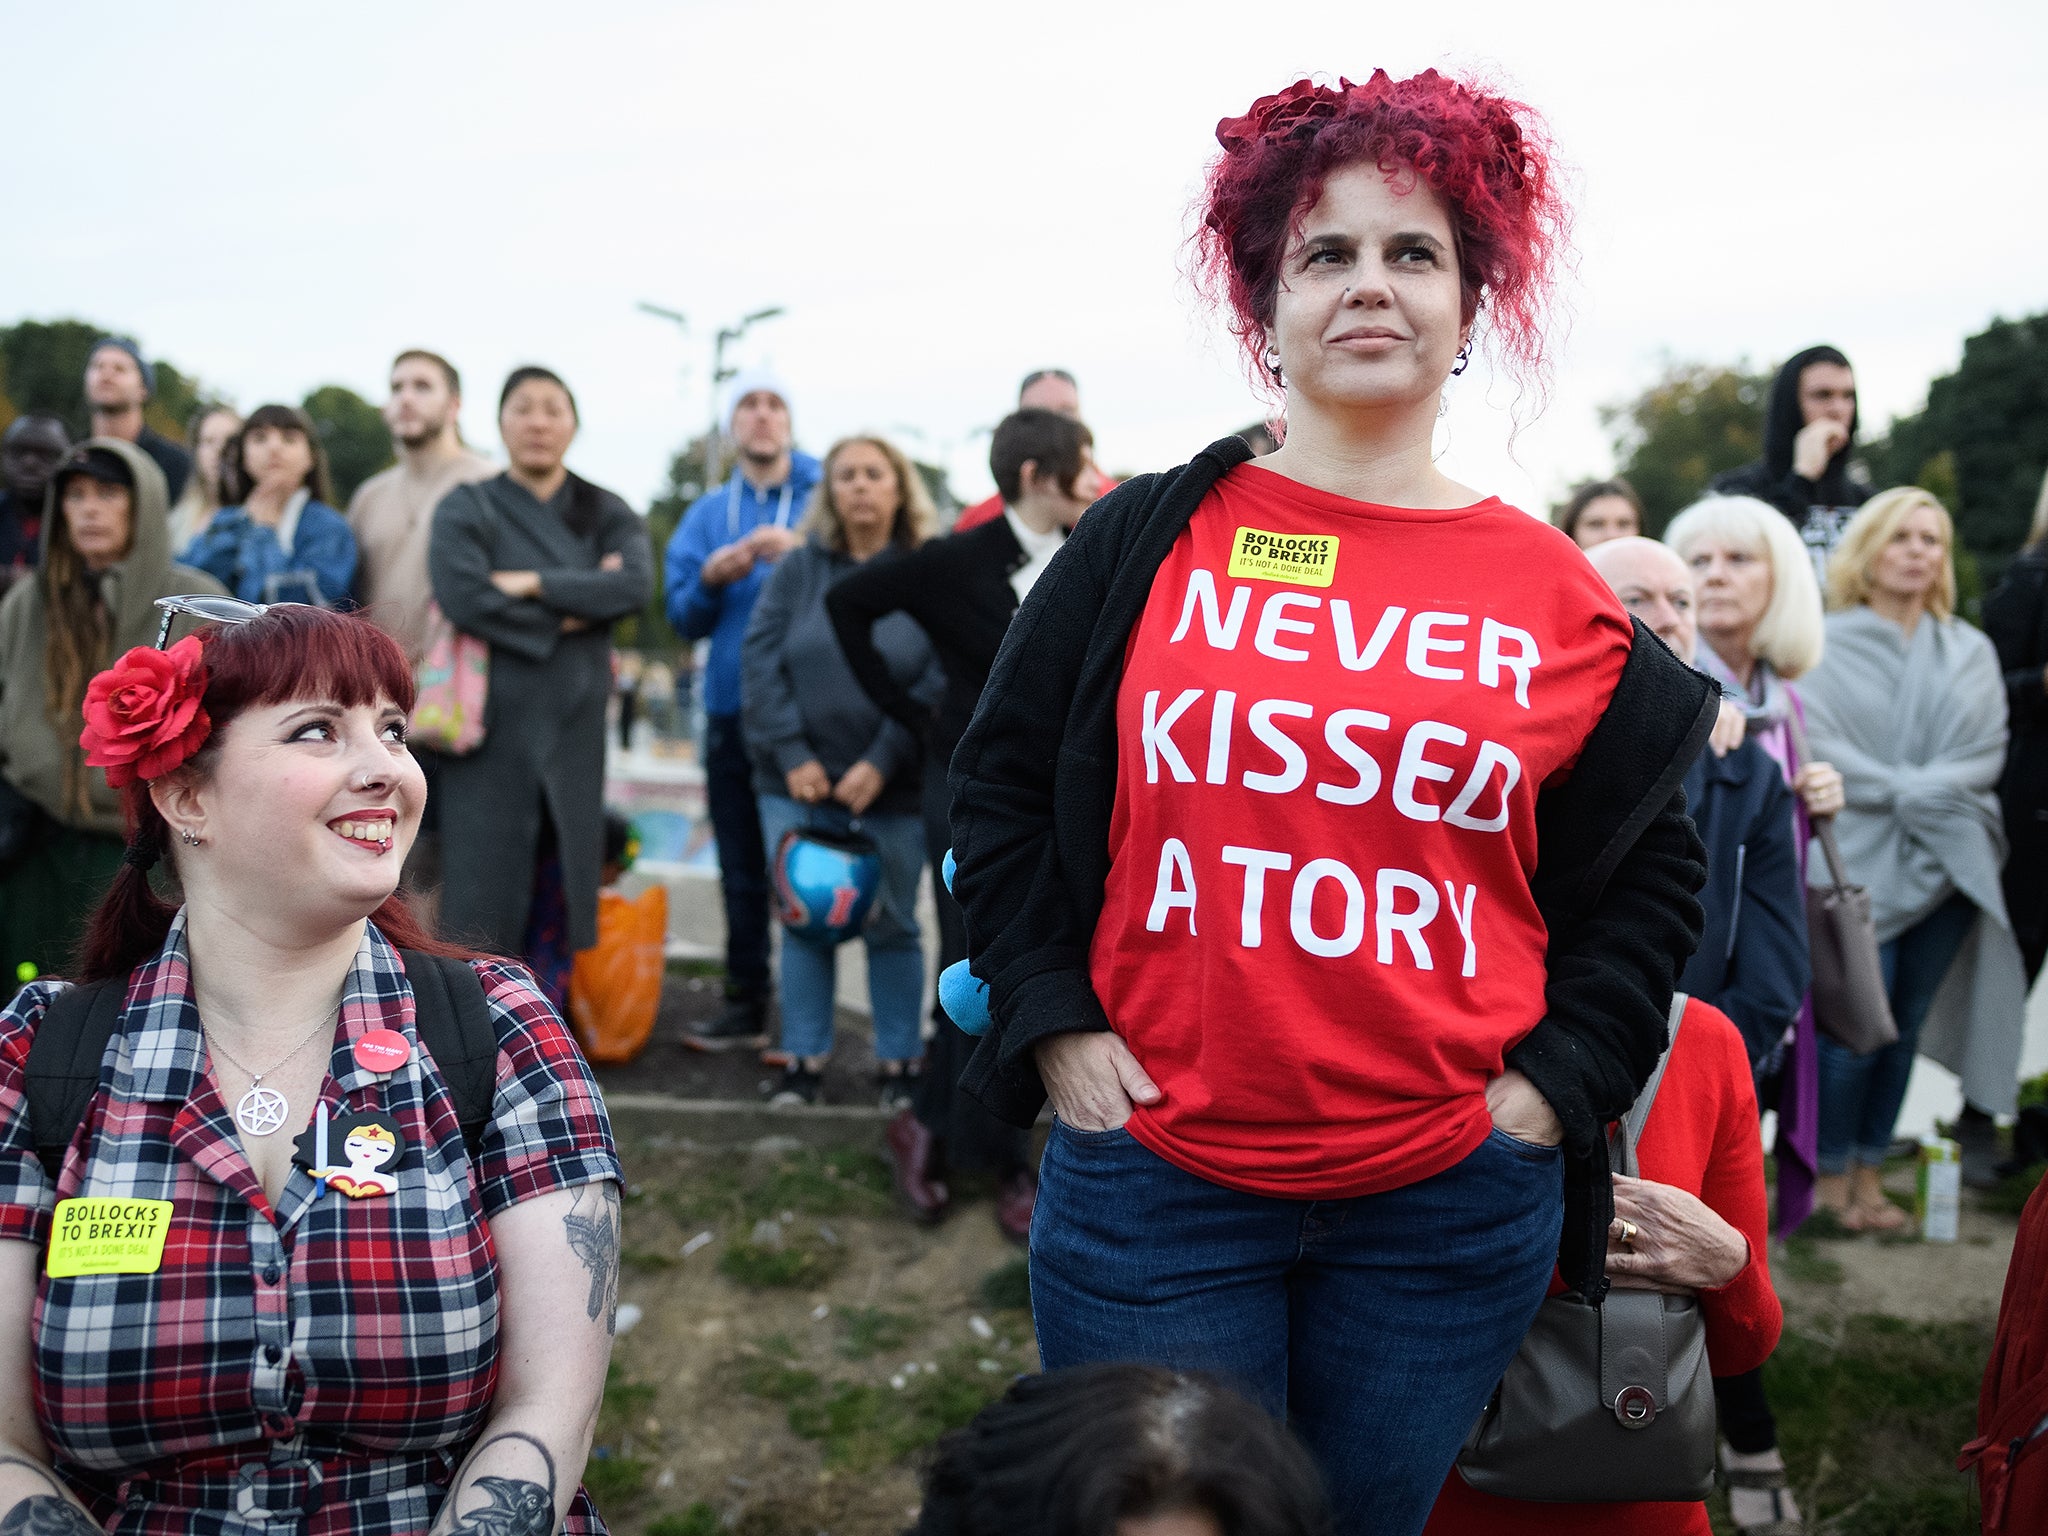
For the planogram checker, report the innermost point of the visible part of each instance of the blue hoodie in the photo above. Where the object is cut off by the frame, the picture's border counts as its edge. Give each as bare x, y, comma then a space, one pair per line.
714, 520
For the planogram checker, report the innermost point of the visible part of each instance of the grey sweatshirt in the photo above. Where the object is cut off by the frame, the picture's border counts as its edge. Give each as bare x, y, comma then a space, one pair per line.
799, 698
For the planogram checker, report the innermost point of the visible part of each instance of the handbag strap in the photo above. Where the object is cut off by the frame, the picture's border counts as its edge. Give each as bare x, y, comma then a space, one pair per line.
1823, 826
1639, 1112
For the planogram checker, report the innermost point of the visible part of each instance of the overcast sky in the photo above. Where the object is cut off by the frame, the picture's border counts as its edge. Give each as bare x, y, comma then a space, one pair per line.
946, 196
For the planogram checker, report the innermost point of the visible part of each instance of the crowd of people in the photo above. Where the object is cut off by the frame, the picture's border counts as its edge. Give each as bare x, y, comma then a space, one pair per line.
1401, 904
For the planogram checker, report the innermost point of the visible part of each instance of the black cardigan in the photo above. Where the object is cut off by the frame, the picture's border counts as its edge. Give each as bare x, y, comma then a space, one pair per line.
958, 590
1034, 781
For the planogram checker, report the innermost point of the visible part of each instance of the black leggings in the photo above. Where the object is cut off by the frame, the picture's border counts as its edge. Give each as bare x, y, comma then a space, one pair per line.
1746, 1421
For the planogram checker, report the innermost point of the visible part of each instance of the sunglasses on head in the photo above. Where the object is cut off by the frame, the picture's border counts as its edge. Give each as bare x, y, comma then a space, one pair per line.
214, 610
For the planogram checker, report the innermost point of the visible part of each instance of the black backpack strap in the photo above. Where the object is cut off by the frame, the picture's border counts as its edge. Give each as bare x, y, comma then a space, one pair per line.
454, 1025
64, 1063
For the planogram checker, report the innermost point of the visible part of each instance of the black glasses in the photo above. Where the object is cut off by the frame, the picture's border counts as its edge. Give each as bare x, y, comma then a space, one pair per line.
215, 610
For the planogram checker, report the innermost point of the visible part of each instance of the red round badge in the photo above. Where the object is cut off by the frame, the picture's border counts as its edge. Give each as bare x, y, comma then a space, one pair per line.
382, 1050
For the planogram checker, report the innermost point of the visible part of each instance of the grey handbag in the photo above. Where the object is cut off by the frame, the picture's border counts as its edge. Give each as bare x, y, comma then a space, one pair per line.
1851, 1004
1605, 1404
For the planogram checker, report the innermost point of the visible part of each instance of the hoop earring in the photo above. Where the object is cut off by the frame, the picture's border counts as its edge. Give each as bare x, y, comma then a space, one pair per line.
1464, 359
190, 838
1273, 364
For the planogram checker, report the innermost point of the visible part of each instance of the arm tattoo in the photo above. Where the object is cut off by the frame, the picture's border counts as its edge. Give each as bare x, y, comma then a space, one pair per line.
517, 1507
593, 1228
44, 1514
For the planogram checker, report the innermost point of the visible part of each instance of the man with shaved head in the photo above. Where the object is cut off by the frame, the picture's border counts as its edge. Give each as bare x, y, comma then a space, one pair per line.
1752, 961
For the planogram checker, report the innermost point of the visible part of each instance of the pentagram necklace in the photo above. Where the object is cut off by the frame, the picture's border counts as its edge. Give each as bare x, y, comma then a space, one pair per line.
262, 1110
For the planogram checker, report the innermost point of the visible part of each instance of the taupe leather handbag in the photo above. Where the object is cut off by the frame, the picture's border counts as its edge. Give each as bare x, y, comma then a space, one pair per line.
1605, 1404
1851, 1004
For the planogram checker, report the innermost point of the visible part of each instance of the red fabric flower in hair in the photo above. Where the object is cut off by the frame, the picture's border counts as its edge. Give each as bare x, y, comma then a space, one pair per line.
142, 715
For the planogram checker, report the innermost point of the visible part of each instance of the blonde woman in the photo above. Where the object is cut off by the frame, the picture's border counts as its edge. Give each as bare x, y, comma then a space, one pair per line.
2016, 619
825, 756
1911, 704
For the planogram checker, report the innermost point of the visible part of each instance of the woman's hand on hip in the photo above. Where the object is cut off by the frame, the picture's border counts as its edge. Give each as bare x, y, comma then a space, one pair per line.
1093, 1080
808, 782
1519, 1110
1675, 1241
858, 786
1820, 786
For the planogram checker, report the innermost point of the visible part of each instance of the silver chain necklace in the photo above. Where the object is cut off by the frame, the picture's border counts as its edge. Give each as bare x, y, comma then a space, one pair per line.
261, 1110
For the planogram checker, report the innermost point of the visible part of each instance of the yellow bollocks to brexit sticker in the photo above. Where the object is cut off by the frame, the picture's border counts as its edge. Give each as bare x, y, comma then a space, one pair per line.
108, 1237
1306, 559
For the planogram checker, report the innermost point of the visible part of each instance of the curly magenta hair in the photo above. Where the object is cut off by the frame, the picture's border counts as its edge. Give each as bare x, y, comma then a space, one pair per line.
1487, 157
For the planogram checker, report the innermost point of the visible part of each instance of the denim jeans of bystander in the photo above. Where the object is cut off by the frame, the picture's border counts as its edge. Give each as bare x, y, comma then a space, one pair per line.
1860, 1096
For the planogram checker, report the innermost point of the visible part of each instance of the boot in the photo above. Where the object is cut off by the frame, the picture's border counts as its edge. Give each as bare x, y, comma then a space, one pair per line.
913, 1159
1977, 1135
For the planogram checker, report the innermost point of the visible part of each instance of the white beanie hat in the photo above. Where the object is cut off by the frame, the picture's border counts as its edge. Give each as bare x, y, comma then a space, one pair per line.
750, 381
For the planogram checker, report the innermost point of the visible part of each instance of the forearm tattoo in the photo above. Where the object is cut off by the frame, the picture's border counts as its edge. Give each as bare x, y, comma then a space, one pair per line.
44, 1514
517, 1507
593, 1228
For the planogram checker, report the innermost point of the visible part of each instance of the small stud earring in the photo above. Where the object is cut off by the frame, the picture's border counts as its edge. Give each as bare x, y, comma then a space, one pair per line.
190, 838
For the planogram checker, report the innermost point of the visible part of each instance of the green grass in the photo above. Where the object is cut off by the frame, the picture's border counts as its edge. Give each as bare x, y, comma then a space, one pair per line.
1802, 1260
700, 1519
1870, 1419
614, 1481
871, 1330
862, 1426
2014, 1190
840, 1181
1009, 1287
798, 1262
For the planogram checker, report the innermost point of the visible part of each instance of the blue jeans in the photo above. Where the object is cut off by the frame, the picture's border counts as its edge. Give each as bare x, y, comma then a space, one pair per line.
895, 955
1860, 1096
1378, 1325
742, 863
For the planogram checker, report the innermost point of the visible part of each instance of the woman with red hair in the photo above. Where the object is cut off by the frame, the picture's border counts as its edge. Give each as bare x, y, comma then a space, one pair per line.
1319, 832
214, 1307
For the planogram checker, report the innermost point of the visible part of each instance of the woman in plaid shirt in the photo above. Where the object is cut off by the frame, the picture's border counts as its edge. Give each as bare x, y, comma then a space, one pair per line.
226, 1337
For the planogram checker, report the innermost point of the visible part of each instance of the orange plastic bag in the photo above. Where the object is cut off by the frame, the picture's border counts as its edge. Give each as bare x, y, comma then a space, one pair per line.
615, 986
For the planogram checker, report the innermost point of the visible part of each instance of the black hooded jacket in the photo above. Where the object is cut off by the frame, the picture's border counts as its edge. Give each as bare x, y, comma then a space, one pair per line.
1771, 477
1034, 783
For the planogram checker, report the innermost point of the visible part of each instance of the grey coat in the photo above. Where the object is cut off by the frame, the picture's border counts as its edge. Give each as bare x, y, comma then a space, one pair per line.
1918, 729
800, 700
543, 750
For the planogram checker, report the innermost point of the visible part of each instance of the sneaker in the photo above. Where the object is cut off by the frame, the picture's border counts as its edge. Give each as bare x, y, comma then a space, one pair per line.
742, 1026
799, 1086
896, 1090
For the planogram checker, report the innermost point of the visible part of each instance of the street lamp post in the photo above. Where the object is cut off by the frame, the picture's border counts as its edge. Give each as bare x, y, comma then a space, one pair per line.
725, 337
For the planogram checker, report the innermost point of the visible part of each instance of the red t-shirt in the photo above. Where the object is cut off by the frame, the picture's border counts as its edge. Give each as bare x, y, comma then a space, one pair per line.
1317, 933
1701, 1137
